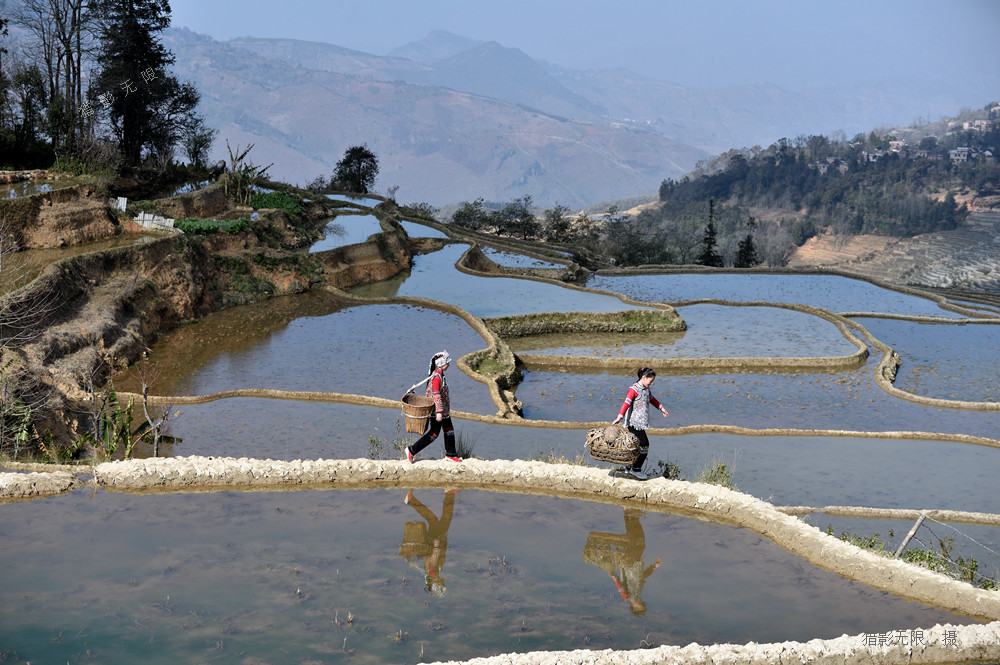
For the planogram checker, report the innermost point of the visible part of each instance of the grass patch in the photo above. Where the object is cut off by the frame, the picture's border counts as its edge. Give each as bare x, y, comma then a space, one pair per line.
195, 226
941, 559
280, 200
489, 365
717, 473
552, 457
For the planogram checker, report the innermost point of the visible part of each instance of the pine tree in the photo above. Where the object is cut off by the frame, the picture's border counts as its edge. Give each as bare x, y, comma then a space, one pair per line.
746, 257
708, 256
147, 107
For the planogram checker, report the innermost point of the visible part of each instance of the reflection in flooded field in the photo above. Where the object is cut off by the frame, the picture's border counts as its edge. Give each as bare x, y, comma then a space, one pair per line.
513, 260
713, 331
835, 293
312, 342
948, 362
346, 230
343, 574
415, 230
807, 400
435, 276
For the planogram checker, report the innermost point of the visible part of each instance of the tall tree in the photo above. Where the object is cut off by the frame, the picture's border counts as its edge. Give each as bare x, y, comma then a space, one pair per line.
147, 107
61, 32
356, 171
746, 256
709, 256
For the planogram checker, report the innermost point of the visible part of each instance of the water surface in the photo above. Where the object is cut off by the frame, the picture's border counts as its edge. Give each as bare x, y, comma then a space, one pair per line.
302, 576
346, 230
435, 276
832, 292
312, 342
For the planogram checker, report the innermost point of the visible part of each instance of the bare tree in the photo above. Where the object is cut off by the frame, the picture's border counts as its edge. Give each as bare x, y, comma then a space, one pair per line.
147, 376
61, 34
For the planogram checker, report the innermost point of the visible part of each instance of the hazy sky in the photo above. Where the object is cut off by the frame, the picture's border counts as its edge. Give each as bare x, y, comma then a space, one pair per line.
696, 43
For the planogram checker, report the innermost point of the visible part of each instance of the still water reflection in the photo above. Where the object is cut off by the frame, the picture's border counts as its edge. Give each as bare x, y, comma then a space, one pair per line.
435, 276
346, 230
836, 401
315, 575
835, 293
313, 342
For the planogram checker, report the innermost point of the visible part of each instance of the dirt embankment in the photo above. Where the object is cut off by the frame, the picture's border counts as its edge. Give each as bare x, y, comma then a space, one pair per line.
88, 314
61, 217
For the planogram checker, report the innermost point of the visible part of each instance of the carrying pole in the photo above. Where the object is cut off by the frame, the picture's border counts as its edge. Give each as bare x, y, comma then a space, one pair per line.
417, 385
913, 531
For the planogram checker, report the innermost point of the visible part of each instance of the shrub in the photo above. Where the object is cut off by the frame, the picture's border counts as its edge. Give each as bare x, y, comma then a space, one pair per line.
279, 200
194, 226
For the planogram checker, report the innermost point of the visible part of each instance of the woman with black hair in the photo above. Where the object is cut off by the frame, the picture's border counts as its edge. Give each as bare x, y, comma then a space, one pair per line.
635, 411
437, 388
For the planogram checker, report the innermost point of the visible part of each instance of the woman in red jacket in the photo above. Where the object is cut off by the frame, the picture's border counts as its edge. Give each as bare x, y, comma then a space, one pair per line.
635, 410
437, 388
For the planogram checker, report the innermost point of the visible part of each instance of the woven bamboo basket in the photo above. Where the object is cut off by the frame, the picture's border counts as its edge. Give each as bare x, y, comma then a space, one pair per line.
414, 540
606, 550
416, 411
613, 444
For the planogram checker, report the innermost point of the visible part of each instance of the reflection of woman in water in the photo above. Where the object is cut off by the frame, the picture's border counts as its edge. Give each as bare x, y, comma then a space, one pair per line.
621, 557
433, 539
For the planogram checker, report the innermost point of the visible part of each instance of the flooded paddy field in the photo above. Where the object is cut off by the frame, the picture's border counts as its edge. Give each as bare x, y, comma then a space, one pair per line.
217, 575
362, 575
514, 260
346, 230
310, 342
713, 331
958, 362
435, 276
832, 292
802, 400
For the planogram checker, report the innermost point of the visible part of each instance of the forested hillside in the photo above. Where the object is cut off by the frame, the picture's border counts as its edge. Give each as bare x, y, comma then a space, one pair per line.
876, 184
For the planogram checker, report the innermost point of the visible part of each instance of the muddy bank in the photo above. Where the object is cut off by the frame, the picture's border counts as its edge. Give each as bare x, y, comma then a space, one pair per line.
61, 217
32, 485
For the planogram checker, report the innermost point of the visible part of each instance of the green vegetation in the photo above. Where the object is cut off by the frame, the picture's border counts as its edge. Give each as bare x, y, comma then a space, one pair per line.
380, 448
717, 473
195, 226
356, 172
279, 200
942, 558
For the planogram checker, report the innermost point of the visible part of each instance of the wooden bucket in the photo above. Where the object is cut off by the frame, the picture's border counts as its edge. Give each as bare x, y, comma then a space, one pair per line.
416, 410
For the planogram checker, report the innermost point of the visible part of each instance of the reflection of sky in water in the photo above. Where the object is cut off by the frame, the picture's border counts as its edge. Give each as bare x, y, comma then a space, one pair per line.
945, 361
839, 401
512, 260
359, 200
172, 577
435, 276
837, 294
26, 188
368, 350
714, 331
421, 231
347, 230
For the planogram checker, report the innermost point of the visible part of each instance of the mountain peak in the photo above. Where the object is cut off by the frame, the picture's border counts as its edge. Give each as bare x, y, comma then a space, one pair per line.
437, 45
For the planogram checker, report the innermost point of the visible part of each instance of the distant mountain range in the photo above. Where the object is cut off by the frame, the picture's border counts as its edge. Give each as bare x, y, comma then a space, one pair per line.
452, 119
